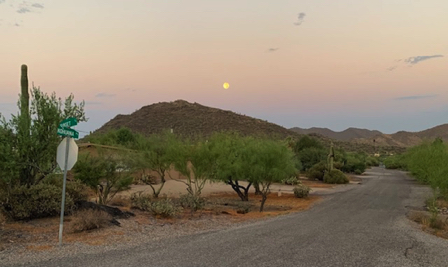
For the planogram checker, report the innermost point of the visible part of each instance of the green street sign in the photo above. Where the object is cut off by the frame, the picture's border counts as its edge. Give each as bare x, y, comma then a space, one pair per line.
67, 123
68, 132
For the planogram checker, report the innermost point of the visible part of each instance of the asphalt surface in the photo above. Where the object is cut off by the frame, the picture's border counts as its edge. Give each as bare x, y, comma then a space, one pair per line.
362, 226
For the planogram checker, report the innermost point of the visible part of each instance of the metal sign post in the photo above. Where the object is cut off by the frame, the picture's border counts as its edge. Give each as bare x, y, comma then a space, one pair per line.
61, 223
66, 158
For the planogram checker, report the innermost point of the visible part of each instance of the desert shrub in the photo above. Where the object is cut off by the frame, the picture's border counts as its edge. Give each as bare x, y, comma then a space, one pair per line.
317, 171
75, 189
37, 201
309, 152
107, 175
192, 202
243, 208
335, 177
395, 162
301, 190
291, 181
164, 208
85, 220
358, 172
141, 201
353, 162
372, 161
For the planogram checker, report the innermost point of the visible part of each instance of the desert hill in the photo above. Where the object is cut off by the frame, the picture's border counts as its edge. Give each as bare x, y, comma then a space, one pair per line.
195, 120
192, 120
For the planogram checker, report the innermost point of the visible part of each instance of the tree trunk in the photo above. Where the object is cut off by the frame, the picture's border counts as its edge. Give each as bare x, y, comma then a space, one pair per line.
263, 200
257, 189
237, 188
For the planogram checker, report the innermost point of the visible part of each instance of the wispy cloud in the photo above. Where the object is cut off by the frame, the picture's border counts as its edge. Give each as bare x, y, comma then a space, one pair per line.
23, 10
414, 97
273, 49
105, 95
37, 5
2, 1
418, 59
411, 61
300, 18
392, 68
91, 103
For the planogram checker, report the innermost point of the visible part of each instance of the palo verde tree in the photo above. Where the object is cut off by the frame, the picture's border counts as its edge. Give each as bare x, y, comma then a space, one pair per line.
228, 149
106, 174
154, 153
268, 162
29, 139
195, 161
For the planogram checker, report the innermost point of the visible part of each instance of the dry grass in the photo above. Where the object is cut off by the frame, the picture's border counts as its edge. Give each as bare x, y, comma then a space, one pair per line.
438, 227
85, 220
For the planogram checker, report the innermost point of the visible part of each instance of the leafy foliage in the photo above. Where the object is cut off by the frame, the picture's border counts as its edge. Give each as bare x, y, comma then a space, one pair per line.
268, 162
301, 190
335, 177
41, 200
106, 175
197, 163
154, 153
317, 172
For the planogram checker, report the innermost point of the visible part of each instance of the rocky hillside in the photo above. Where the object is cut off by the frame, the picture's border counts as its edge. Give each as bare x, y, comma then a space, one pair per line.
192, 120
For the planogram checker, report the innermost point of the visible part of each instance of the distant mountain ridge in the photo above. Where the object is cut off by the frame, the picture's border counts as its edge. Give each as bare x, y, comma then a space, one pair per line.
346, 135
364, 136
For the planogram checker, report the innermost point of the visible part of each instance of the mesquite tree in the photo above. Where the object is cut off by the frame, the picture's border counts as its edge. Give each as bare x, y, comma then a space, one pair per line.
228, 149
268, 162
154, 154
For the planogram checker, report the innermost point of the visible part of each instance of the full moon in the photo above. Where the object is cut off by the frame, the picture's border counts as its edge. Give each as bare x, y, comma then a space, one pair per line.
226, 86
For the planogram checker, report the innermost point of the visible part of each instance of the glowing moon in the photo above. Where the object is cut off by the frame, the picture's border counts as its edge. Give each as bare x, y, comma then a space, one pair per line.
226, 86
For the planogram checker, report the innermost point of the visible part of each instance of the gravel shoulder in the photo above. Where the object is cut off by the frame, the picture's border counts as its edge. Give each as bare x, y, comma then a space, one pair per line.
141, 229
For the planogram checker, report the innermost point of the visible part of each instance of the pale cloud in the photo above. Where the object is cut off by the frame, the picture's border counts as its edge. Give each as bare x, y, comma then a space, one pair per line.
91, 103
414, 97
392, 68
37, 5
23, 10
300, 18
418, 59
105, 95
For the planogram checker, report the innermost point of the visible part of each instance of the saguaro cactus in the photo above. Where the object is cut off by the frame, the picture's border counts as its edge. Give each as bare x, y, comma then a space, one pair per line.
25, 95
331, 158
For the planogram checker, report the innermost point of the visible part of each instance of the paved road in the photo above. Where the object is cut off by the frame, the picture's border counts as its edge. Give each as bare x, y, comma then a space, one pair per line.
364, 226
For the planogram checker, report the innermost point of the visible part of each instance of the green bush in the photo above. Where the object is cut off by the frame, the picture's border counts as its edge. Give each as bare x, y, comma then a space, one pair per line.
141, 201
192, 202
243, 208
353, 162
301, 190
75, 189
164, 208
395, 162
291, 181
335, 177
37, 201
317, 171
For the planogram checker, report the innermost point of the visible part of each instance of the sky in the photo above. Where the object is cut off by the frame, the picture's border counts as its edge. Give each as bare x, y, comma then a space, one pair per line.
375, 64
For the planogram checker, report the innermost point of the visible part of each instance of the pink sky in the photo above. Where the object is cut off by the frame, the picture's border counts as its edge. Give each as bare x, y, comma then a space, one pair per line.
337, 64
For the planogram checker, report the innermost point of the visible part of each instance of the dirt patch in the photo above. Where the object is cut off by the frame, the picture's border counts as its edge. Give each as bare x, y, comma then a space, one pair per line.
220, 208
